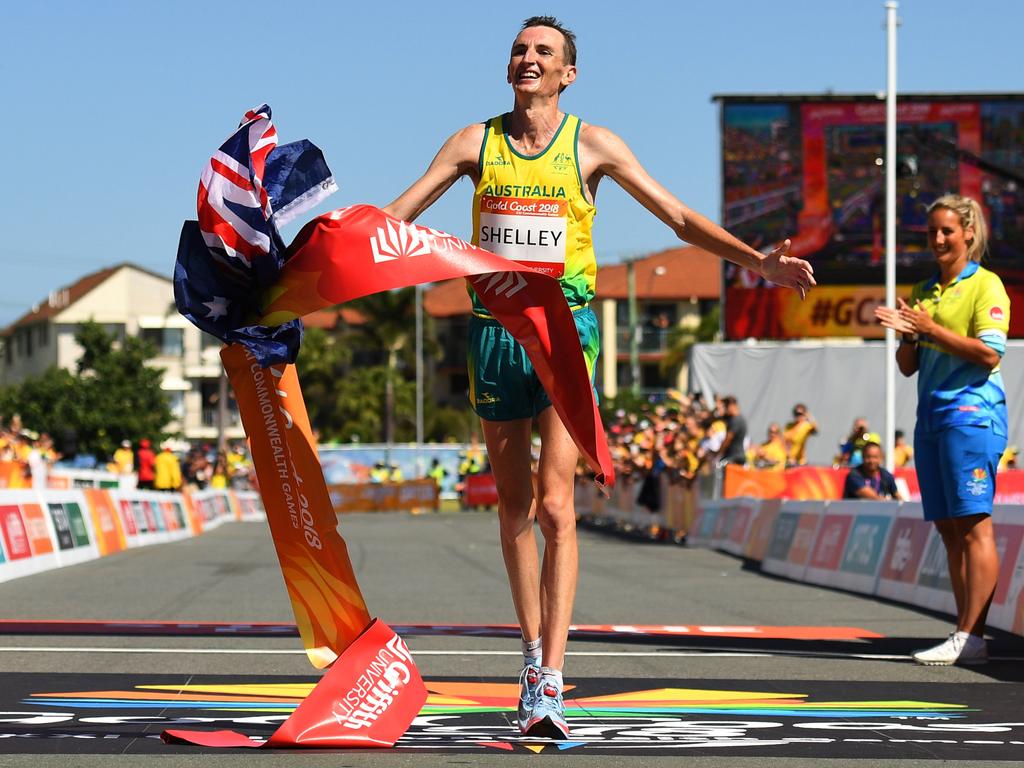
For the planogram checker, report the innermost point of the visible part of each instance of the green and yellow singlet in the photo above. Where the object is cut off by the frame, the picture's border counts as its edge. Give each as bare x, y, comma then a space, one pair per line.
532, 209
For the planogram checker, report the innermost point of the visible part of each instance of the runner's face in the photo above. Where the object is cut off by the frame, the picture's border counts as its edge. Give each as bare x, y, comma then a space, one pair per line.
537, 65
947, 238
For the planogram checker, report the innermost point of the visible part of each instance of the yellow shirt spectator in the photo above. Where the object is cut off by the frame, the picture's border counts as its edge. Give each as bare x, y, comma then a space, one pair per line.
124, 459
1009, 458
168, 471
902, 454
796, 434
771, 454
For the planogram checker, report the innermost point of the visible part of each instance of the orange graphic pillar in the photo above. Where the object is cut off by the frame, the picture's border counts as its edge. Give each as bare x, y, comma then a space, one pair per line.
329, 608
373, 690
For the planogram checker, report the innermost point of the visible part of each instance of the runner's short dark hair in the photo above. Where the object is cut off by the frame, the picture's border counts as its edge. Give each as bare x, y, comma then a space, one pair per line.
567, 34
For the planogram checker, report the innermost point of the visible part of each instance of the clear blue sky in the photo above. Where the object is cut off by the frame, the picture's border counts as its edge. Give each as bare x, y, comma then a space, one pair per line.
111, 108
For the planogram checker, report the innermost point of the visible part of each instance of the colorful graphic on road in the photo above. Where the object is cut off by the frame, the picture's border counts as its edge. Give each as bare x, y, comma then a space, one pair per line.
826, 719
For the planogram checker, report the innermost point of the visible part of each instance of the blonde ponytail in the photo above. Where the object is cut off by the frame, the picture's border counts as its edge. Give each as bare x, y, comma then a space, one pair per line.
971, 217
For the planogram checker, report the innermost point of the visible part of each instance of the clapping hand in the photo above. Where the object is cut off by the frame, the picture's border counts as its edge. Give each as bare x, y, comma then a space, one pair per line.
905, 319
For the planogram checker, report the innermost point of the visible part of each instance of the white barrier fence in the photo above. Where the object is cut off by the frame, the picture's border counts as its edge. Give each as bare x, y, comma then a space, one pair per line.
873, 548
44, 529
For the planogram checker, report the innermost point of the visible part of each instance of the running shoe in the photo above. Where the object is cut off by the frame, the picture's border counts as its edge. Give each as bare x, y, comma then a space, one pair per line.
958, 648
548, 717
528, 680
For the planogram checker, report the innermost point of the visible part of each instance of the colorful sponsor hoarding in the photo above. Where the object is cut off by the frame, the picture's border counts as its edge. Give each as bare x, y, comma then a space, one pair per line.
866, 544
826, 483
15, 537
831, 539
903, 554
62, 526
382, 497
811, 168
131, 526
36, 529
110, 536
78, 528
1008, 546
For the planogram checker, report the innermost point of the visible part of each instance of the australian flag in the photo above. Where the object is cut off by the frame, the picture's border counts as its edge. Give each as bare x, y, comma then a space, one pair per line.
234, 252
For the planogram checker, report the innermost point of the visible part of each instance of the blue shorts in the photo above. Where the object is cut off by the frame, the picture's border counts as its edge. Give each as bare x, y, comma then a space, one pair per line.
502, 382
956, 470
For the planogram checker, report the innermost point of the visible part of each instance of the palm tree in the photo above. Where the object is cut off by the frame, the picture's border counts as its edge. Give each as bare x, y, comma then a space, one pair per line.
389, 324
680, 339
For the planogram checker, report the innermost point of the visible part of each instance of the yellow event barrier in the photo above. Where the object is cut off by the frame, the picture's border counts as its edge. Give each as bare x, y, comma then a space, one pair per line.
376, 497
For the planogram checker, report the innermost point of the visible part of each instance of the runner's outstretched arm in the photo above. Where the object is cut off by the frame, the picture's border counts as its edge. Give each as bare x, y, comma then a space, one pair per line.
458, 157
608, 155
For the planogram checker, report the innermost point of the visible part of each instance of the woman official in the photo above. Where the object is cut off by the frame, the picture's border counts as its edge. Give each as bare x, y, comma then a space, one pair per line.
953, 335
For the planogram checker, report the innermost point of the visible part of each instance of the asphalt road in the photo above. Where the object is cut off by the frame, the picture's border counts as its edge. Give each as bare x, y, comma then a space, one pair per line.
446, 569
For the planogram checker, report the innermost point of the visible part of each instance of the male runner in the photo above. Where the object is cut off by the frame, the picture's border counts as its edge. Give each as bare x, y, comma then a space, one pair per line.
536, 171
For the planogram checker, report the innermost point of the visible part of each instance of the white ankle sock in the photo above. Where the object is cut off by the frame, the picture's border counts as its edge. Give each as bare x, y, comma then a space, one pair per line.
552, 674
532, 652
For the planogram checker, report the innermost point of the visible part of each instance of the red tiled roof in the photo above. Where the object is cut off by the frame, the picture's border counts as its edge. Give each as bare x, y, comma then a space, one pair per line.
329, 318
66, 296
447, 299
675, 274
63, 298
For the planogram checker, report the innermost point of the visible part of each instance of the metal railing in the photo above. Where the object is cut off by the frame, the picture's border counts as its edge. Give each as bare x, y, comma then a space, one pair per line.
648, 340
209, 417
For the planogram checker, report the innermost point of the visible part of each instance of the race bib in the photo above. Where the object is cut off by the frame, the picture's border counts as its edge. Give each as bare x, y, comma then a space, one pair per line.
530, 231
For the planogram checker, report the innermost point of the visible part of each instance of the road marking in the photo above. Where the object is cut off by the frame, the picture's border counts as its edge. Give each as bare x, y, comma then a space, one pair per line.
597, 654
294, 652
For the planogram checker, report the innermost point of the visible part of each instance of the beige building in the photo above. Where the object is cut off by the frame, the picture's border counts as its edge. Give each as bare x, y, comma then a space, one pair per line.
127, 301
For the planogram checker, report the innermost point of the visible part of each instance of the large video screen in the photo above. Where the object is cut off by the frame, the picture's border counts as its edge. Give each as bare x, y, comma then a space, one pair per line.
812, 169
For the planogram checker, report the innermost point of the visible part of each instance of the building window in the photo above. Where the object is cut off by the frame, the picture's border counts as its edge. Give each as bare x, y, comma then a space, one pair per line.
652, 380
44, 334
176, 402
116, 330
28, 341
174, 342
209, 342
8, 350
209, 391
169, 342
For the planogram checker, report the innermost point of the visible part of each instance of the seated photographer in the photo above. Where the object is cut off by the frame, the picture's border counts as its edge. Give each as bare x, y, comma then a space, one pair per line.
870, 480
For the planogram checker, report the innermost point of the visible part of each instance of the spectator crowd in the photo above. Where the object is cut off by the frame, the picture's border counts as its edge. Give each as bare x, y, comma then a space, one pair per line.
171, 467
686, 435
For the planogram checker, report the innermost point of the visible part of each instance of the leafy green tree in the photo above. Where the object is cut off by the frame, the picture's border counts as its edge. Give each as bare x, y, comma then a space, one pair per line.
322, 364
444, 423
359, 405
358, 380
681, 339
112, 396
389, 327
389, 331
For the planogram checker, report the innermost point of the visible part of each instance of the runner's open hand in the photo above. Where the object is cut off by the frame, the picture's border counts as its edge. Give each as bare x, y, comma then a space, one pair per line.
788, 271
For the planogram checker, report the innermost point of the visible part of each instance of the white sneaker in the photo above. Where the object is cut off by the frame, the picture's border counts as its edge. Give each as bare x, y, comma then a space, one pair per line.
958, 648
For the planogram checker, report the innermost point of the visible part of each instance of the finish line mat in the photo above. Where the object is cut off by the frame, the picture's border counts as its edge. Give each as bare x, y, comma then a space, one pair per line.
117, 713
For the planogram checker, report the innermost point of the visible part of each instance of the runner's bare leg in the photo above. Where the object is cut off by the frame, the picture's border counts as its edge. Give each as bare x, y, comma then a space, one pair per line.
508, 449
557, 518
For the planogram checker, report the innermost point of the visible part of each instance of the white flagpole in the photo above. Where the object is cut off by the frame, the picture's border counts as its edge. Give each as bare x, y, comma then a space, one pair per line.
889, 439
